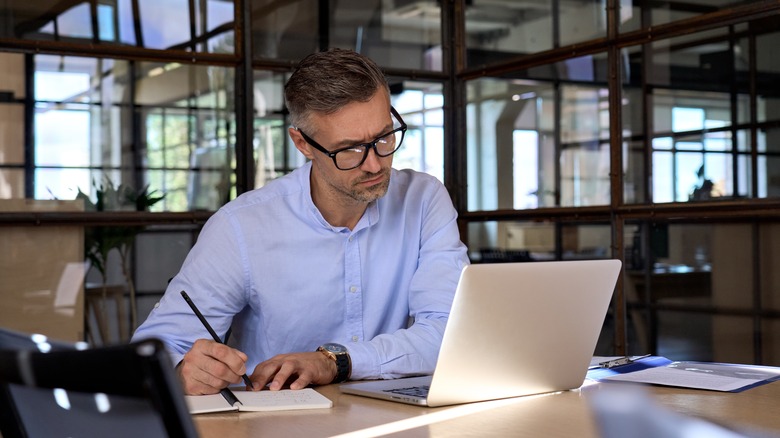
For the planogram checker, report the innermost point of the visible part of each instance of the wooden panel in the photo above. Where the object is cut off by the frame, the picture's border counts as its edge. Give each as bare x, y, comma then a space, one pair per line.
42, 273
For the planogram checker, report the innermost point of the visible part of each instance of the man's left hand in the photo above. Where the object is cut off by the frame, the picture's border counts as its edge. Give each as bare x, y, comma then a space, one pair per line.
299, 369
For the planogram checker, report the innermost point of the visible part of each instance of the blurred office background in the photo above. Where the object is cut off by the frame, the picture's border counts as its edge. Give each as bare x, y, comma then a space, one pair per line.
647, 131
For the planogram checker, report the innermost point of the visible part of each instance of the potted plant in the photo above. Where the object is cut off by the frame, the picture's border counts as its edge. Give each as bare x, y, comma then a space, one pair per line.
99, 241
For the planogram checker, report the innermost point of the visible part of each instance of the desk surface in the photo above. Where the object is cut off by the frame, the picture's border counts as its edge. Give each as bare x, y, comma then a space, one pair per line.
555, 415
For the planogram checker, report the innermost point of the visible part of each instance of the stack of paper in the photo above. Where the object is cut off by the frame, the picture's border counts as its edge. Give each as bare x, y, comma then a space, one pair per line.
698, 375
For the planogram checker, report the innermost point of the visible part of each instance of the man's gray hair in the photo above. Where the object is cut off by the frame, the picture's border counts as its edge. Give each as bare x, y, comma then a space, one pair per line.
325, 82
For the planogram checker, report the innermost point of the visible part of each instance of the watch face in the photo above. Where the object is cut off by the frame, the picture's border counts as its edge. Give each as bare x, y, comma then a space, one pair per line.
335, 348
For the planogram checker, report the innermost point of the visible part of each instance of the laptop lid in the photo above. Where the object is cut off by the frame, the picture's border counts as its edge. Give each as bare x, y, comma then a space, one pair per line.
517, 329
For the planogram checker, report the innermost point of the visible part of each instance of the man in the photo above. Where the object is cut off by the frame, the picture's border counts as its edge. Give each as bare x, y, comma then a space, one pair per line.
345, 253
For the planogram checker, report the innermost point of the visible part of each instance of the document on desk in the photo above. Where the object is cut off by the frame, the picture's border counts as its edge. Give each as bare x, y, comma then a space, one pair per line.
697, 375
283, 400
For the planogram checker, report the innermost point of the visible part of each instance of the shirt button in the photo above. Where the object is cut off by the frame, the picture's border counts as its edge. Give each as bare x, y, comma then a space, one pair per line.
353, 289
157, 304
350, 238
355, 339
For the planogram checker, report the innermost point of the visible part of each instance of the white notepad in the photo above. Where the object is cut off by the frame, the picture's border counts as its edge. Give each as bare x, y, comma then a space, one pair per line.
286, 399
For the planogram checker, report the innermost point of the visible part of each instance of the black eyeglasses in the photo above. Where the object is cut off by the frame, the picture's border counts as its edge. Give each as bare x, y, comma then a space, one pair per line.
351, 157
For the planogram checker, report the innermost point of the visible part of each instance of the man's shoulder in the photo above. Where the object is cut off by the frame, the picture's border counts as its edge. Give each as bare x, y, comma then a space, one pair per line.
282, 187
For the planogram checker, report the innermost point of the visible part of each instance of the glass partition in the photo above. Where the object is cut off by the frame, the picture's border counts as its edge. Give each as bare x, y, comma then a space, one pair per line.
633, 13
394, 34
700, 113
768, 114
498, 29
536, 144
693, 150
103, 125
519, 241
421, 105
202, 26
274, 154
685, 270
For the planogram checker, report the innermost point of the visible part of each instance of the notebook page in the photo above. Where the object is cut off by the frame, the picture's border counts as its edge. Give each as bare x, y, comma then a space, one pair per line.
202, 404
286, 399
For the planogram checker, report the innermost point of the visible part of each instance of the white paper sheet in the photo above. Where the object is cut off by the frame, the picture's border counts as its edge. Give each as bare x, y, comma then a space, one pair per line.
716, 377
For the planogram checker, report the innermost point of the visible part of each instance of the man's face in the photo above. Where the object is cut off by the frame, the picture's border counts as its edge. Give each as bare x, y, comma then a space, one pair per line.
358, 122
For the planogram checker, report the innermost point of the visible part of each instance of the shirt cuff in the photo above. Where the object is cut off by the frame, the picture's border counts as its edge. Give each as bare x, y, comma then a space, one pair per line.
365, 361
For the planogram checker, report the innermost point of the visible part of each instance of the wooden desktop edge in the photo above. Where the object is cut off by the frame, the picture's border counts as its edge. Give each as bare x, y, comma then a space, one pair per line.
753, 408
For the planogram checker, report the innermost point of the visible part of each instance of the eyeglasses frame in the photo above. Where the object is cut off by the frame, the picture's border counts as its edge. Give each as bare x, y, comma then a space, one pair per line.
370, 145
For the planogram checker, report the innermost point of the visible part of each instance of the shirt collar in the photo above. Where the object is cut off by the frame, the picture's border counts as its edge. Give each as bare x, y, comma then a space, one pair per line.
369, 218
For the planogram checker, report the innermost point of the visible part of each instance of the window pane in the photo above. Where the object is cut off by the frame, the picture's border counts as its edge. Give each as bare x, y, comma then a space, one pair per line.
495, 30
633, 150
498, 113
60, 183
767, 68
634, 182
514, 156
666, 12
691, 128
663, 177
274, 153
695, 266
525, 161
693, 62
160, 24
512, 241
420, 104
769, 176
174, 134
686, 336
394, 34
584, 146
687, 166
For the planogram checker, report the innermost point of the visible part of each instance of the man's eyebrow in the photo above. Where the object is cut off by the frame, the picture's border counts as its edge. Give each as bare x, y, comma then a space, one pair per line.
348, 142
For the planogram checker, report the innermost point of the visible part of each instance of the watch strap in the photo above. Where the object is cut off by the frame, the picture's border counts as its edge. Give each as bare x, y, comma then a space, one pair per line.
343, 364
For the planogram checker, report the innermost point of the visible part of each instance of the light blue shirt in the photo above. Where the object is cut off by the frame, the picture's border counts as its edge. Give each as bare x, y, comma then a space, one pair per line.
269, 264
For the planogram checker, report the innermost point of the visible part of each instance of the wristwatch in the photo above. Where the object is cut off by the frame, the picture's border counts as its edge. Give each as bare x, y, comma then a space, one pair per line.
339, 354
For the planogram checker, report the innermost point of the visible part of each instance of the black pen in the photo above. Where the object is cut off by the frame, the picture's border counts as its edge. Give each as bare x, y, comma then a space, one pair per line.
211, 330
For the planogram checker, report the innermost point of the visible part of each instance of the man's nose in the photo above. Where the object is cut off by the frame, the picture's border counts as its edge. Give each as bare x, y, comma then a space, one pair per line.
371, 164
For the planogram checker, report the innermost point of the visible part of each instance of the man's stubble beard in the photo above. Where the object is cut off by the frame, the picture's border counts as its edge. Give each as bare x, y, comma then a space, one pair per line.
372, 193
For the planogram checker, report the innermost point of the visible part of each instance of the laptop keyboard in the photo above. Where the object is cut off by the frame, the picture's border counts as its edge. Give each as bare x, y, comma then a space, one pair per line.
414, 391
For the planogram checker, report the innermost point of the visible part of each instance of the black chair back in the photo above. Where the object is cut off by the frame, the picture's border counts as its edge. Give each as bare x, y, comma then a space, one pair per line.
56, 389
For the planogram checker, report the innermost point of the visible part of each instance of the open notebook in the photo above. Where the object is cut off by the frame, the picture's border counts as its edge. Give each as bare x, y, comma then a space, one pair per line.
514, 329
265, 400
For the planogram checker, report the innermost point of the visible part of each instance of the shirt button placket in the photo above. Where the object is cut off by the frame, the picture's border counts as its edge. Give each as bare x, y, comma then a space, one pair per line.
352, 280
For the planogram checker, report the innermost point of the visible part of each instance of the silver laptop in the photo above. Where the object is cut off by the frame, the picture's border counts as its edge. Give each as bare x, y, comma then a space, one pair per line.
515, 329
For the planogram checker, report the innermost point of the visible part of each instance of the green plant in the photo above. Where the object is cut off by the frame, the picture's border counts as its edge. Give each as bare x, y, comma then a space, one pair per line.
101, 240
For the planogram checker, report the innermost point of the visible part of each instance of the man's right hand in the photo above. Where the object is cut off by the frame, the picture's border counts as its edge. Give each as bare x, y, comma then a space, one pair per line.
210, 366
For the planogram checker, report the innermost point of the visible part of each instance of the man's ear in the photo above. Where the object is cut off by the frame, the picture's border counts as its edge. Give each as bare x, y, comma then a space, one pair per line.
300, 143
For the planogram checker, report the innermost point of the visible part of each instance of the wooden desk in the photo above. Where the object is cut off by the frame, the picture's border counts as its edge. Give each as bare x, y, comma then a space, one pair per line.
556, 415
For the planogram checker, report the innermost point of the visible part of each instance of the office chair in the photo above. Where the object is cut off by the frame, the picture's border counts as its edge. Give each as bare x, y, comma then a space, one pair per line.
125, 390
